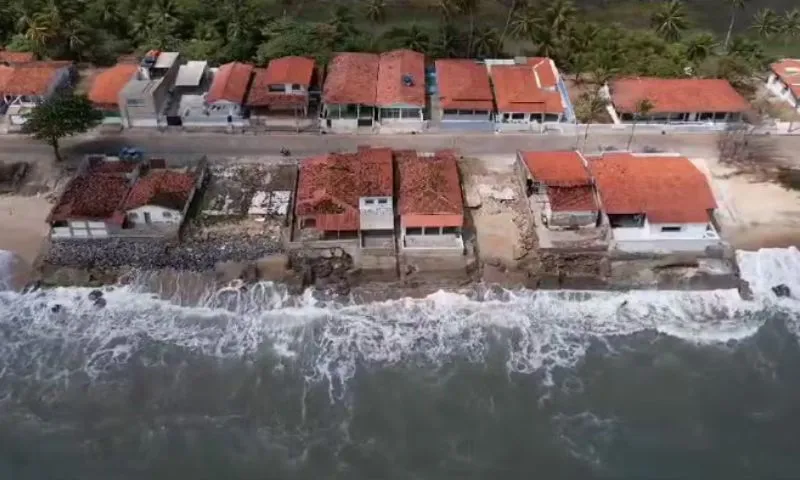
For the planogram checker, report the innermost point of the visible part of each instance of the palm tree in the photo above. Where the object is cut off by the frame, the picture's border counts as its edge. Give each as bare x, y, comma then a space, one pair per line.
42, 28
736, 5
766, 23
470, 8
512, 9
669, 21
700, 47
589, 107
448, 42
546, 41
525, 22
578, 63
790, 25
415, 38
643, 108
375, 10
446, 8
559, 14
486, 42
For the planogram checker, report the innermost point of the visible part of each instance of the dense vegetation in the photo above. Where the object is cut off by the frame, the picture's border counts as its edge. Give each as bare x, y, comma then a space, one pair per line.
257, 30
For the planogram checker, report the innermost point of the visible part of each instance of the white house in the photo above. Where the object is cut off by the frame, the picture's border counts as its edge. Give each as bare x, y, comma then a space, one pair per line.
784, 81
224, 102
23, 86
655, 203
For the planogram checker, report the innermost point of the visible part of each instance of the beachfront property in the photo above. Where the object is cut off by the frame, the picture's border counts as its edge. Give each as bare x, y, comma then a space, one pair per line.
25, 85
106, 87
110, 197
784, 81
430, 203
279, 95
464, 99
559, 188
349, 93
143, 100
681, 101
655, 203
527, 94
223, 105
347, 199
400, 92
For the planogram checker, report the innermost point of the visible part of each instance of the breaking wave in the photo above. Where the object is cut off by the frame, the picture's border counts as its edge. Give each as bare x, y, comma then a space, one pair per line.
57, 333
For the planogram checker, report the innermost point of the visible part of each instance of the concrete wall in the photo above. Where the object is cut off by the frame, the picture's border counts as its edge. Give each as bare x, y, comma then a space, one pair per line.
776, 86
375, 215
572, 219
80, 229
156, 213
665, 246
467, 125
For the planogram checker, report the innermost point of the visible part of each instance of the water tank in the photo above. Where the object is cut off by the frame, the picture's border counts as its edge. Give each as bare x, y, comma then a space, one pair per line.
408, 80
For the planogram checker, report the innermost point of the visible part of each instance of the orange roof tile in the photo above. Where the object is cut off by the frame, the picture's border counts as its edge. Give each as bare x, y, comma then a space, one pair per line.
16, 57
391, 89
165, 188
517, 89
107, 85
352, 79
329, 186
463, 84
230, 83
788, 70
557, 168
429, 185
677, 95
545, 70
5, 74
93, 196
293, 70
32, 78
666, 189
572, 199
260, 96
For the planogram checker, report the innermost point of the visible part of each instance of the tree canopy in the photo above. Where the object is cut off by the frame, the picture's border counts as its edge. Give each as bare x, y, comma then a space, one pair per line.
62, 115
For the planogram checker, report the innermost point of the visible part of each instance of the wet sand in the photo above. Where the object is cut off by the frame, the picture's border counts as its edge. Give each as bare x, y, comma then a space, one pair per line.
23, 231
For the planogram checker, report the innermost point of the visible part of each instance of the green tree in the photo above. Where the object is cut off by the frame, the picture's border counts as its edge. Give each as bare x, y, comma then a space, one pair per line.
766, 23
587, 109
60, 116
524, 23
413, 37
486, 42
735, 5
375, 10
558, 15
470, 9
669, 20
790, 24
700, 47
447, 8
643, 109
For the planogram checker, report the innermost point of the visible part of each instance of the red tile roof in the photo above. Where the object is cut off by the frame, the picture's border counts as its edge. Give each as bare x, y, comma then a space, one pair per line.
31, 78
572, 199
788, 70
230, 83
260, 96
329, 186
5, 74
107, 85
463, 84
93, 196
666, 189
294, 70
429, 185
165, 188
517, 88
393, 67
16, 57
677, 95
352, 79
557, 168
545, 70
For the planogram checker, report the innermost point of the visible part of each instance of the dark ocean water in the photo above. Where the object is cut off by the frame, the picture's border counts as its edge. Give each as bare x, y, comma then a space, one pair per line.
257, 385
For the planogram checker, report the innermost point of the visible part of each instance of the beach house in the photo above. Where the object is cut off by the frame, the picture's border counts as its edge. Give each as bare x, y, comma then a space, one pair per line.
224, 103
25, 85
349, 93
400, 92
143, 100
279, 95
526, 94
784, 81
106, 87
464, 98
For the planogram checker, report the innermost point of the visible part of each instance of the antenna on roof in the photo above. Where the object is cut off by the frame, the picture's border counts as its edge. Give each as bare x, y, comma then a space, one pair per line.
408, 80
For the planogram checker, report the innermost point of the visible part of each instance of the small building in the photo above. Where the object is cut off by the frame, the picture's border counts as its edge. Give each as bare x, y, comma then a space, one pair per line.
655, 203
430, 202
279, 96
679, 101
106, 87
464, 100
224, 103
144, 99
784, 81
400, 94
527, 95
347, 198
26, 85
560, 189
349, 93
159, 199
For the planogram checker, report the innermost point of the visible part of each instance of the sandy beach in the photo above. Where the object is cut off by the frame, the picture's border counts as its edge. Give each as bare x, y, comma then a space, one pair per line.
23, 229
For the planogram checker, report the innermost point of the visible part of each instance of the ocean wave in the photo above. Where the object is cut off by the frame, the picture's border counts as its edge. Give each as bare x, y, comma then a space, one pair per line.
543, 330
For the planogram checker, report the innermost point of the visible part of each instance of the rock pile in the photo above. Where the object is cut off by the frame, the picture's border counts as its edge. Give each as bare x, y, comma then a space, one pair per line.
329, 269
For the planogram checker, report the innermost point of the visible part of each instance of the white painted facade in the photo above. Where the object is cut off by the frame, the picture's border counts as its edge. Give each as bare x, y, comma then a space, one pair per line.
665, 237
154, 214
81, 229
376, 213
780, 89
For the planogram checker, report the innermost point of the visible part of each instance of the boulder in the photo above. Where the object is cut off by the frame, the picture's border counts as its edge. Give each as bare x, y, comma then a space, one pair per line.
56, 308
95, 295
100, 302
782, 290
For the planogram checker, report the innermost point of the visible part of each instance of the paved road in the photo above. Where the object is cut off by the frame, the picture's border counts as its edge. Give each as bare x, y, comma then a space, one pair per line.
238, 145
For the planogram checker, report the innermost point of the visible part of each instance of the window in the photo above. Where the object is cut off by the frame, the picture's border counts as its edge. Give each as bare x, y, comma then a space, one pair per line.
671, 228
296, 86
550, 117
414, 231
431, 231
382, 201
167, 214
369, 201
517, 116
450, 112
390, 113
133, 216
309, 223
276, 88
147, 217
627, 117
135, 102
481, 112
450, 231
